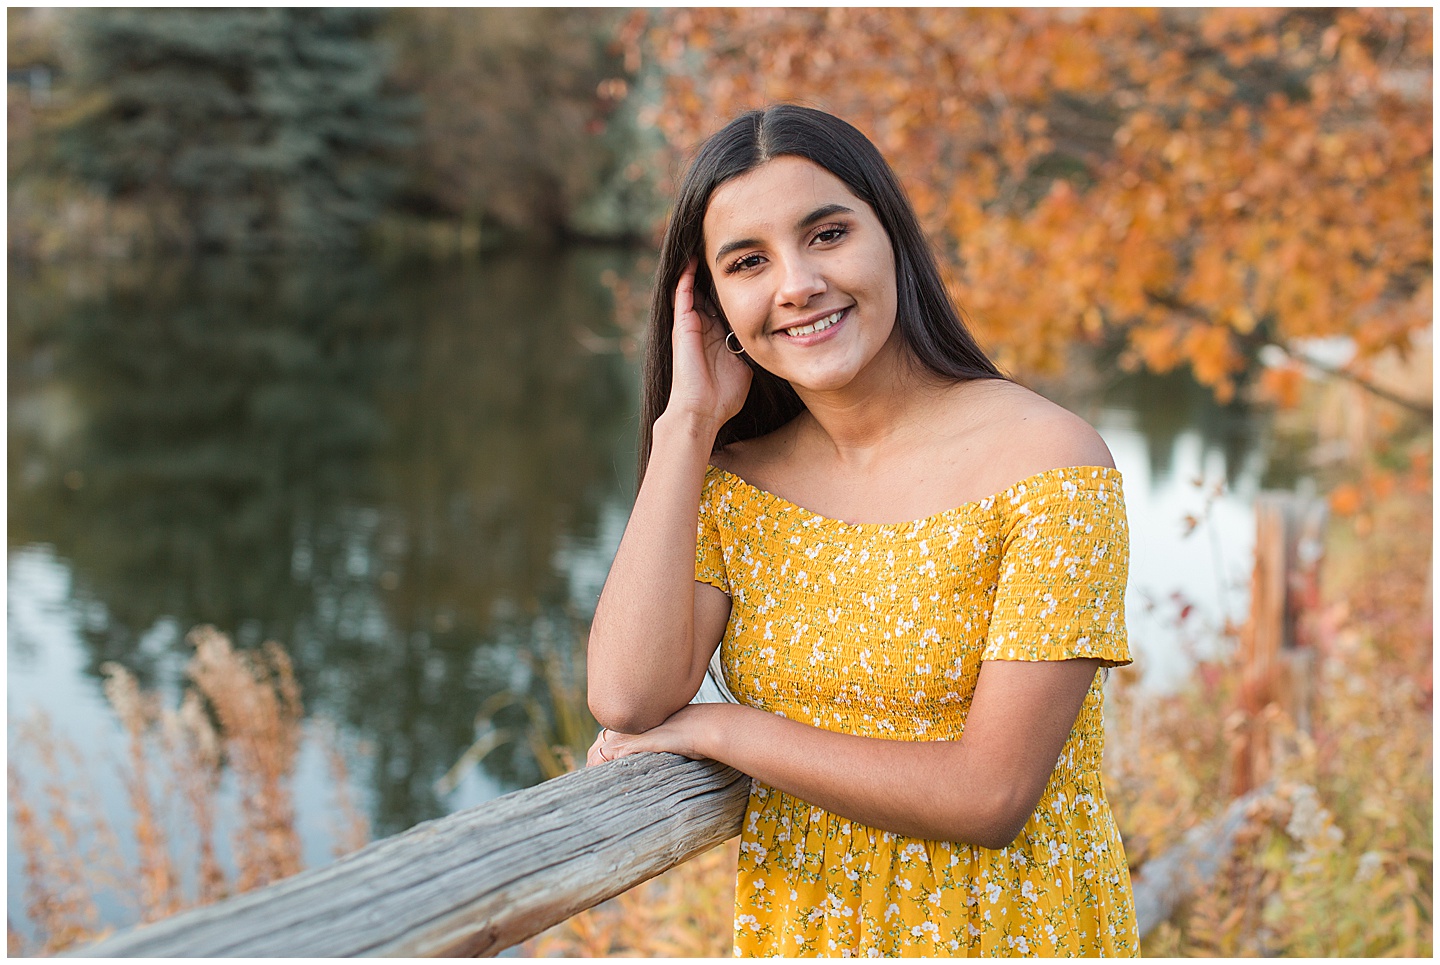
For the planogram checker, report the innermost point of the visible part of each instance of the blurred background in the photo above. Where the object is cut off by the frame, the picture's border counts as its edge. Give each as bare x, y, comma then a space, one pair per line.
323, 329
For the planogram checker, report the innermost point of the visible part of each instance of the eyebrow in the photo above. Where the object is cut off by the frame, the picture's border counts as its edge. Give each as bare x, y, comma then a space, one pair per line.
819, 214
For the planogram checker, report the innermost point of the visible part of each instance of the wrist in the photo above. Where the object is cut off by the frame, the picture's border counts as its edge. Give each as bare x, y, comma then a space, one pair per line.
715, 737
684, 425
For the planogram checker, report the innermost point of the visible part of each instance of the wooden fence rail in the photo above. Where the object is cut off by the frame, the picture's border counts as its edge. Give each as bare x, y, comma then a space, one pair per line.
487, 878
478, 881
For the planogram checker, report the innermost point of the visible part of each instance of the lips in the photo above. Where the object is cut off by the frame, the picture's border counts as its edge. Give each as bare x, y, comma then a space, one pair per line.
818, 325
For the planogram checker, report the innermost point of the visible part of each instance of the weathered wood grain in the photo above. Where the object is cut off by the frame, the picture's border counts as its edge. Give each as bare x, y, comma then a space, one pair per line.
1168, 879
475, 882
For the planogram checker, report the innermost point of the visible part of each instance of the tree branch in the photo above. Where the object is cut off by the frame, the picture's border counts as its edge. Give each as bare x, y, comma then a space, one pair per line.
1423, 409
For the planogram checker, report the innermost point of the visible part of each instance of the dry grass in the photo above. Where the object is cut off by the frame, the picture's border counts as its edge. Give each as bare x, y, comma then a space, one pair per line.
60, 834
1338, 859
241, 714
257, 702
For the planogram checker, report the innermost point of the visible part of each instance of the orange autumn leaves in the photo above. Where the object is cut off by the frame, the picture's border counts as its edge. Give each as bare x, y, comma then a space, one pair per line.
1201, 183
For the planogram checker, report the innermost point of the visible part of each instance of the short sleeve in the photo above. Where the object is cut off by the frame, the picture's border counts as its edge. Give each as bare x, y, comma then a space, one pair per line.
1064, 562
709, 558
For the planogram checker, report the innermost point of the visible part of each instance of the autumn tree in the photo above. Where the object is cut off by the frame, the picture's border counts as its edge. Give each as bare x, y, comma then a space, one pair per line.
1198, 184
525, 123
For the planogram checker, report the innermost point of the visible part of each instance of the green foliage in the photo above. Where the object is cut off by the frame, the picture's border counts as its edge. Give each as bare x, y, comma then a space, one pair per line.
272, 128
152, 131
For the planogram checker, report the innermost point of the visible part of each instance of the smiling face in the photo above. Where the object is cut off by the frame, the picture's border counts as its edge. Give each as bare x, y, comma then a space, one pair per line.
805, 275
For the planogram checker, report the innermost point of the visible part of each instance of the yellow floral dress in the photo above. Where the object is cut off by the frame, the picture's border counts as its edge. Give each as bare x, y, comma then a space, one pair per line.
880, 630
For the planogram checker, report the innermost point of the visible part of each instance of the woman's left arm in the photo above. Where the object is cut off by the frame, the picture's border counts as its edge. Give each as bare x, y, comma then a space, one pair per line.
979, 790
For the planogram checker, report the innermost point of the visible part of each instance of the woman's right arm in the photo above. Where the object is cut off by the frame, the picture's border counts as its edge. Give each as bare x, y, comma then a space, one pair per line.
646, 658
655, 628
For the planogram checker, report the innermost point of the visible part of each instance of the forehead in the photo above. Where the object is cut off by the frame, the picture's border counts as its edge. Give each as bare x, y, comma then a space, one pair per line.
773, 196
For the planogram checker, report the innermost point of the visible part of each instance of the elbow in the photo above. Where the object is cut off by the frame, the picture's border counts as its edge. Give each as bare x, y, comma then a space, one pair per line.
625, 716
630, 698
1000, 834
1003, 818
618, 703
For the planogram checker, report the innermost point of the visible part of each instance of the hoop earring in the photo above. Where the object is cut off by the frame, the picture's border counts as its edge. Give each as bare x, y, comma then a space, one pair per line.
737, 348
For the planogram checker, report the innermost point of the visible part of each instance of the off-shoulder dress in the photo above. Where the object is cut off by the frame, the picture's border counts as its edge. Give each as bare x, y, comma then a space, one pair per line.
879, 630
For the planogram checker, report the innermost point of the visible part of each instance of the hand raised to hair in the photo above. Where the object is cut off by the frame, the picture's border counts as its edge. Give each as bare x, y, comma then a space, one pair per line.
708, 380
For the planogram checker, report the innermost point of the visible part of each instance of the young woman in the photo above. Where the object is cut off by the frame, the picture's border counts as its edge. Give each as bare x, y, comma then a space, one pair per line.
914, 570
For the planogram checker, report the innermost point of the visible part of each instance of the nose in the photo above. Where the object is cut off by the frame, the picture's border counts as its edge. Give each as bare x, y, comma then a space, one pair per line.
800, 281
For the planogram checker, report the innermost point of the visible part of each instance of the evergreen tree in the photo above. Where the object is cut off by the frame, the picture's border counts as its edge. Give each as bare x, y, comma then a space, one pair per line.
268, 128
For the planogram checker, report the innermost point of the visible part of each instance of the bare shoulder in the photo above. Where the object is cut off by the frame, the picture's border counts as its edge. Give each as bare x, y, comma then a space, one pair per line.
757, 460
1024, 433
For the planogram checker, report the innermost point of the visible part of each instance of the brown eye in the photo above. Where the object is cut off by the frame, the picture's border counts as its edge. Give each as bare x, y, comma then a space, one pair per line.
740, 264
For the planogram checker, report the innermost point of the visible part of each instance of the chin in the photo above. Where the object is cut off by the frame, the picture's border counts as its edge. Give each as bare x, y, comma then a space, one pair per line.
822, 381
832, 378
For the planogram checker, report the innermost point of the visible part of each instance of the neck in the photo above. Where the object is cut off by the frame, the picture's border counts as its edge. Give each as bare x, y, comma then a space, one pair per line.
858, 424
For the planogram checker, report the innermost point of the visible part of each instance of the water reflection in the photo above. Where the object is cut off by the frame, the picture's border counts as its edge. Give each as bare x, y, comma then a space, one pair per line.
414, 477
1168, 412
375, 466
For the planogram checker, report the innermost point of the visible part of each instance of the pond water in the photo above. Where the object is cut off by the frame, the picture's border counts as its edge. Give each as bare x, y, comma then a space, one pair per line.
414, 478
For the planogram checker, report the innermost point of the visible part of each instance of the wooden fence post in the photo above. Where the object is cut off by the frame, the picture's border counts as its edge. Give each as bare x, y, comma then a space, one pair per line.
1277, 657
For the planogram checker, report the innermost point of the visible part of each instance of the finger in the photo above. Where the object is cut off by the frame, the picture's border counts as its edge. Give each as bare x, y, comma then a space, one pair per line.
685, 289
629, 744
710, 311
593, 755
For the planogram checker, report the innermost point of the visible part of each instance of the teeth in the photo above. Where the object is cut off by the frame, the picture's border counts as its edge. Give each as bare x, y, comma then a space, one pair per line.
819, 326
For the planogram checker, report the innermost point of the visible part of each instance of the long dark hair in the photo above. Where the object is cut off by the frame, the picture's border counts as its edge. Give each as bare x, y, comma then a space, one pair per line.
928, 320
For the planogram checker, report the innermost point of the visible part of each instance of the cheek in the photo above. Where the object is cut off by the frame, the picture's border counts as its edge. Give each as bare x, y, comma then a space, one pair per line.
883, 285
739, 307
879, 275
